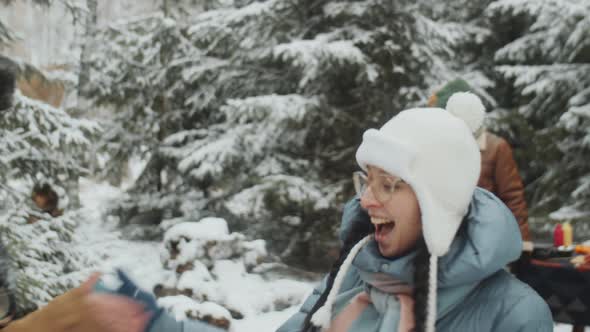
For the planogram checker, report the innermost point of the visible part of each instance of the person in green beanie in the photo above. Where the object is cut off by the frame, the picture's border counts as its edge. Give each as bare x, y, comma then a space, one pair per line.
440, 98
499, 171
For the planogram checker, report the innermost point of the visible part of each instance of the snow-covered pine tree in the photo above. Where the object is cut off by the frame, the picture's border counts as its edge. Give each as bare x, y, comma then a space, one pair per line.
344, 67
40, 139
255, 111
40, 142
41, 256
546, 60
263, 102
137, 76
457, 41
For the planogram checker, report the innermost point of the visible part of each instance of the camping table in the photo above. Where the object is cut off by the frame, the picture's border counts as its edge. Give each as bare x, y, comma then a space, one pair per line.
564, 287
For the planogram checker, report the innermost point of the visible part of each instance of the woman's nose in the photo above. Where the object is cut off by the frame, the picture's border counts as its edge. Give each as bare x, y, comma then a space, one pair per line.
368, 200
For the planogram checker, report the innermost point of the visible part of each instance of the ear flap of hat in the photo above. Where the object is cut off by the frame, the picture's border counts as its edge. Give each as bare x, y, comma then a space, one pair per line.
439, 223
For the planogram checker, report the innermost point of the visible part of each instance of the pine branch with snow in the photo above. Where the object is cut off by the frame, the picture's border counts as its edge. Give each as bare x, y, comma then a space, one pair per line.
42, 260
549, 67
247, 100
40, 138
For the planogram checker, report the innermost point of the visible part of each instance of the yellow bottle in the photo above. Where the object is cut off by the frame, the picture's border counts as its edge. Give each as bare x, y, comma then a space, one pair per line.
567, 234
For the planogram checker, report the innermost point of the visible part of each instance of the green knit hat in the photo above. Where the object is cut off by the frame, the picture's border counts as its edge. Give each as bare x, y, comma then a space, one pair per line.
457, 85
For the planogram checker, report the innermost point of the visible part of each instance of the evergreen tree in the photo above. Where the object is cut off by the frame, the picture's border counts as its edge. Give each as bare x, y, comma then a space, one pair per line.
138, 74
254, 112
456, 39
40, 142
39, 139
42, 258
546, 60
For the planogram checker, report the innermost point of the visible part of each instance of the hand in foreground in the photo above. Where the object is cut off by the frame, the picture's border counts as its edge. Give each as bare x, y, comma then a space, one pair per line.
132, 291
81, 310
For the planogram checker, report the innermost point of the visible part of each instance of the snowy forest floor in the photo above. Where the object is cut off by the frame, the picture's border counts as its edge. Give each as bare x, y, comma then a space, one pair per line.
141, 259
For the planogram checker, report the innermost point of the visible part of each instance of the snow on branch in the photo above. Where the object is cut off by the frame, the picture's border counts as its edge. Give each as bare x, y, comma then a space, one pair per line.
321, 54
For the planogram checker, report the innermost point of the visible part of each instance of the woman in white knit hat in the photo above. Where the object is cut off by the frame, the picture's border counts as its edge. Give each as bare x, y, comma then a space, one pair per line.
423, 248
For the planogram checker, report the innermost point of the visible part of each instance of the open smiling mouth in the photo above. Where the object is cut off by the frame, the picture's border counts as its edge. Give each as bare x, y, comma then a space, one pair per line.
382, 228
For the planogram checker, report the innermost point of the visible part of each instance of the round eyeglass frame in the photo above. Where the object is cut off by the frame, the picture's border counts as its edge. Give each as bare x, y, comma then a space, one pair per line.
361, 184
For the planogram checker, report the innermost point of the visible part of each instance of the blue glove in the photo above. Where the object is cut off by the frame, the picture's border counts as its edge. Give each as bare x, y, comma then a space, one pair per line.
129, 289
160, 321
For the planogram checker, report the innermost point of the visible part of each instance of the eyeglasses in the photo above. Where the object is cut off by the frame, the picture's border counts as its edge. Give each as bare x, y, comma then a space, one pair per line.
382, 186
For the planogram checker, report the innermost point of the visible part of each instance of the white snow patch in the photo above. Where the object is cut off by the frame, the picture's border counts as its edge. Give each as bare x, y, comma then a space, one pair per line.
180, 305
265, 304
206, 229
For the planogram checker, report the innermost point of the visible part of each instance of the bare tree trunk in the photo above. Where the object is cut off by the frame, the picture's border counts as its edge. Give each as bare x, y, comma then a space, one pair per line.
84, 74
87, 49
165, 8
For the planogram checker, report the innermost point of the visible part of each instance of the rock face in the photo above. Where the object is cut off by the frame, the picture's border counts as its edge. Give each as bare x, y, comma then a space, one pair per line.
34, 84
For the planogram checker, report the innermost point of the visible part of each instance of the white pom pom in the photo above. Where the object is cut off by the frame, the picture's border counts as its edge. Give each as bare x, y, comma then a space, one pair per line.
322, 317
469, 108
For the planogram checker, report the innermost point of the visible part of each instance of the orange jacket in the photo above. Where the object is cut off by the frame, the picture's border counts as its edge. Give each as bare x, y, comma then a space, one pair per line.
499, 174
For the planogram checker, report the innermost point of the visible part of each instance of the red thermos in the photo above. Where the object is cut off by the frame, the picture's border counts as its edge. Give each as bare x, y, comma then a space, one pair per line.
558, 236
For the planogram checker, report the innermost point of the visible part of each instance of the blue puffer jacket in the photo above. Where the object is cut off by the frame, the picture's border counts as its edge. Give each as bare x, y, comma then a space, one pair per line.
488, 297
160, 321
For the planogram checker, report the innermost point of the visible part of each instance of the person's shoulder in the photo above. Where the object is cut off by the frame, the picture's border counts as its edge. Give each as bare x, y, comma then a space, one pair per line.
496, 142
519, 307
499, 303
502, 287
492, 141
486, 205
